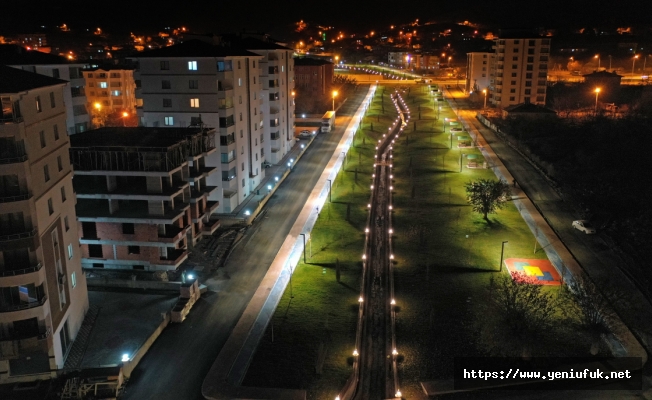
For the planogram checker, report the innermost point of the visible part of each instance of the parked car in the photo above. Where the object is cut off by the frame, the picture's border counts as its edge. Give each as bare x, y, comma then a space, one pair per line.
305, 134
584, 226
457, 130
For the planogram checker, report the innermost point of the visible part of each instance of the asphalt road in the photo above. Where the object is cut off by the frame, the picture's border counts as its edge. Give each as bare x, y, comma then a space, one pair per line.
175, 366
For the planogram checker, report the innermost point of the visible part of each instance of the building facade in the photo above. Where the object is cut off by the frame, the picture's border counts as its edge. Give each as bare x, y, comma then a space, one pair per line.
112, 87
519, 70
477, 71
313, 76
142, 195
77, 116
44, 297
245, 94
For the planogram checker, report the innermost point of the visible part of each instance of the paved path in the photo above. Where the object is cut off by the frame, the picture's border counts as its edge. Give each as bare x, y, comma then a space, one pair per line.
178, 361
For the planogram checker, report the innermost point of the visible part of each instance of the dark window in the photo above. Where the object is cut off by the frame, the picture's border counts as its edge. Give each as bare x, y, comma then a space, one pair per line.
63, 194
133, 249
98, 265
59, 163
56, 132
128, 229
193, 84
42, 137
52, 102
50, 207
55, 73
95, 250
166, 84
167, 102
138, 267
89, 230
165, 65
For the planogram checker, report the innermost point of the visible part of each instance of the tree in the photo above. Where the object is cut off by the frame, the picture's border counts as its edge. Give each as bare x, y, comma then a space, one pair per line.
513, 315
486, 196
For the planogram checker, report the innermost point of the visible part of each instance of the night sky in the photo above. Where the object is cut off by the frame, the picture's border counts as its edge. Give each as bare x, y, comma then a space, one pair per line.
277, 15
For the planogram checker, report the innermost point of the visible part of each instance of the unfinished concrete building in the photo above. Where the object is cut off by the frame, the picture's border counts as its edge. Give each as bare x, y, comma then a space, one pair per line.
142, 195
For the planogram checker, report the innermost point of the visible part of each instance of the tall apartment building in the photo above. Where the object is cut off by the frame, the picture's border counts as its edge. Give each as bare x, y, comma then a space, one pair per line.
78, 119
313, 76
43, 290
520, 69
142, 195
478, 66
220, 84
112, 87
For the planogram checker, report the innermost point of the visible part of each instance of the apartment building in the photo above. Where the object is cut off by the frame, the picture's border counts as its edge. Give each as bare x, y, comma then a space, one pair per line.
313, 76
215, 83
520, 69
111, 88
142, 195
44, 298
77, 116
478, 66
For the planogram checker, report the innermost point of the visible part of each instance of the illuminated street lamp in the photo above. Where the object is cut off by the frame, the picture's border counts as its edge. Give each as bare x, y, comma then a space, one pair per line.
485, 97
598, 57
334, 95
633, 63
124, 117
597, 92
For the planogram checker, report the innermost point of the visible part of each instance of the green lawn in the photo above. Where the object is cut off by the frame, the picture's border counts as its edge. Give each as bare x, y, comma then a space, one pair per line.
444, 257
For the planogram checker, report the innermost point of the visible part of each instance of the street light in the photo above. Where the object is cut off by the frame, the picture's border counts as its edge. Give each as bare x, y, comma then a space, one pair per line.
597, 92
124, 116
598, 57
634, 62
334, 95
502, 252
485, 97
610, 62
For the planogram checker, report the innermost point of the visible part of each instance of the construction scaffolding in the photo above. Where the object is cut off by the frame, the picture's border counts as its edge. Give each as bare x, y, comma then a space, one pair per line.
98, 383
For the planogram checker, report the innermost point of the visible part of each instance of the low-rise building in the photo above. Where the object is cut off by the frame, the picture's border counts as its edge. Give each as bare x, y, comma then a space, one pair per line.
77, 116
43, 296
112, 87
142, 195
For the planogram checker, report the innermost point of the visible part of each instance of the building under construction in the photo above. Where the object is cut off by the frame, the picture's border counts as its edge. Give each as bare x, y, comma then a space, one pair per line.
142, 197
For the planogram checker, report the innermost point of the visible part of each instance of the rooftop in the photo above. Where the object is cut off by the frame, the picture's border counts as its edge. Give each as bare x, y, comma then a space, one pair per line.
141, 137
111, 67
12, 54
306, 61
196, 48
13, 80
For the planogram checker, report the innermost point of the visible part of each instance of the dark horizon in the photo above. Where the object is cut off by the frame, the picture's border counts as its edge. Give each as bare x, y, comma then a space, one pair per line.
259, 15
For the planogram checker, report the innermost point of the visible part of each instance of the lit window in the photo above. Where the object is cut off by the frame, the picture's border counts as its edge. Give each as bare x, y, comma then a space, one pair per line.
116, 93
38, 104
192, 65
73, 280
103, 85
239, 81
194, 103
70, 252
169, 121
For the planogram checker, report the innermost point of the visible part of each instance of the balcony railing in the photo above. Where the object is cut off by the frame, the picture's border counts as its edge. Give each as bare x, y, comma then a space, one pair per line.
18, 197
24, 306
23, 271
10, 118
17, 236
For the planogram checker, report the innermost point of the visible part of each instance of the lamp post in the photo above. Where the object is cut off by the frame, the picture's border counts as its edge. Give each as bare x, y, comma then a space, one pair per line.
598, 57
485, 97
597, 92
610, 62
330, 183
502, 252
304, 247
644, 61
334, 95
124, 116
633, 63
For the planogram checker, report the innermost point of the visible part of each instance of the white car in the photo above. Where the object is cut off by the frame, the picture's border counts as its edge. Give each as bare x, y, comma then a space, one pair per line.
457, 130
306, 134
584, 226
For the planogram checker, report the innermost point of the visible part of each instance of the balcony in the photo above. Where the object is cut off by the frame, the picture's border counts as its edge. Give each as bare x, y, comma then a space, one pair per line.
14, 198
210, 227
204, 191
129, 212
227, 140
11, 118
24, 306
13, 157
16, 272
19, 240
199, 173
15, 344
175, 257
172, 234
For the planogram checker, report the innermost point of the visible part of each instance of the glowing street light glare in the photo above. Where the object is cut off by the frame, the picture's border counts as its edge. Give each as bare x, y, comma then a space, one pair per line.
125, 357
393, 302
395, 352
360, 300
355, 353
